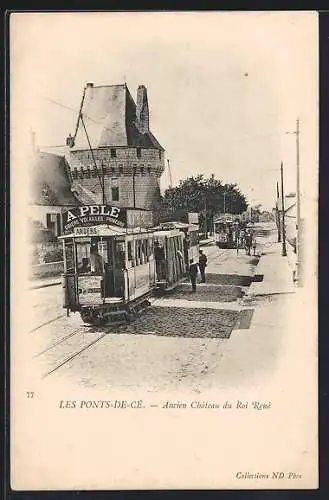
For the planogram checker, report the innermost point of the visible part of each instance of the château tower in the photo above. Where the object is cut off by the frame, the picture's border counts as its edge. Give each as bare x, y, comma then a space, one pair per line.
113, 132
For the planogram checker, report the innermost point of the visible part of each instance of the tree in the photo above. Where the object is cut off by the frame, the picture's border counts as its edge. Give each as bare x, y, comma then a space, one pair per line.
204, 196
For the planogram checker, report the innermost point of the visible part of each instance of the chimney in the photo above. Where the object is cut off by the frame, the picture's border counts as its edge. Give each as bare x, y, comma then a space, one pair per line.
142, 110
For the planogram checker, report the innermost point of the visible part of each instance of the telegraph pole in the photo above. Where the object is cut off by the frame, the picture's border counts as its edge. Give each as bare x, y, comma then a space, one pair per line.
278, 212
298, 228
284, 248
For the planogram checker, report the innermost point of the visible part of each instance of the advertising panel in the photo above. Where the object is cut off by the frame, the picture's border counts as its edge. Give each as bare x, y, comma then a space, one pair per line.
89, 289
91, 215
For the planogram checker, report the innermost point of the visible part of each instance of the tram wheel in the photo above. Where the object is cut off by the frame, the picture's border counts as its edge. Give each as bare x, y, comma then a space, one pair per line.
86, 317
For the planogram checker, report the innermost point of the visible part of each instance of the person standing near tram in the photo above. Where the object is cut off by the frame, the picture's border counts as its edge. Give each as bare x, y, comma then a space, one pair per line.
96, 261
202, 265
193, 271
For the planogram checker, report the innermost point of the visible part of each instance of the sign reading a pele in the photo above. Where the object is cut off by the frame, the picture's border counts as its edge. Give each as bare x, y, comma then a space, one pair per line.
92, 215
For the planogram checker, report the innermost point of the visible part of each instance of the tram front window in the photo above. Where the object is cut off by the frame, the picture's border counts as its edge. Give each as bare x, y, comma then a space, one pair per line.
89, 260
85, 266
96, 261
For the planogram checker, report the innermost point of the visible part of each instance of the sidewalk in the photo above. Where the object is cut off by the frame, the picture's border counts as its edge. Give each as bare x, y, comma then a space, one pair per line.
253, 353
276, 272
44, 282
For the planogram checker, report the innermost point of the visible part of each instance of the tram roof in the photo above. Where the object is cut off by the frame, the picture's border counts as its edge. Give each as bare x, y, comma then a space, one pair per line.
103, 231
167, 232
175, 225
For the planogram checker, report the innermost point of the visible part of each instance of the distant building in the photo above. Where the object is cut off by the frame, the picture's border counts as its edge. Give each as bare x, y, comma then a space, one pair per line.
125, 158
266, 216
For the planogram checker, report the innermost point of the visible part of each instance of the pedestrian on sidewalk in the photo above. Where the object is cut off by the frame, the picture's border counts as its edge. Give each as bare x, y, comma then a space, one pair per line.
193, 271
202, 265
254, 243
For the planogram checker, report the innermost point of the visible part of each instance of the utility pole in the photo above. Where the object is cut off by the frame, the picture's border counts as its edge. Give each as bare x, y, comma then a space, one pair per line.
224, 194
284, 248
278, 212
298, 221
298, 228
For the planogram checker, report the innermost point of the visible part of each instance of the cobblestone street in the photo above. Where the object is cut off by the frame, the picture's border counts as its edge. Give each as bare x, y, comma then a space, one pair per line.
178, 339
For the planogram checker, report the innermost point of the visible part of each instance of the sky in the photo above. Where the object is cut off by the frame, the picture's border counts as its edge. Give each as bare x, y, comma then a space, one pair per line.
223, 88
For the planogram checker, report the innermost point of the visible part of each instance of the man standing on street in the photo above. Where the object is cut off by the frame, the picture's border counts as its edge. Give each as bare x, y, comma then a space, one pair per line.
193, 270
202, 265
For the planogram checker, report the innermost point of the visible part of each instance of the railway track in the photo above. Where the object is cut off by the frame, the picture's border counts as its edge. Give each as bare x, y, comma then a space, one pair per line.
47, 323
82, 338
68, 347
66, 359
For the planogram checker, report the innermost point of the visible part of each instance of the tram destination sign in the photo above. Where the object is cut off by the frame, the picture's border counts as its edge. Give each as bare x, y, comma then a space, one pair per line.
93, 215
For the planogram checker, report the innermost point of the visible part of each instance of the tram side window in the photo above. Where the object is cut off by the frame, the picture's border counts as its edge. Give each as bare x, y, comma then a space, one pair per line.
144, 251
130, 256
69, 257
149, 250
138, 253
120, 257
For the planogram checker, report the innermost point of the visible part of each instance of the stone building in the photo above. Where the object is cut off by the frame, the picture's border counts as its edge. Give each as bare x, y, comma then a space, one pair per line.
49, 196
113, 155
50, 191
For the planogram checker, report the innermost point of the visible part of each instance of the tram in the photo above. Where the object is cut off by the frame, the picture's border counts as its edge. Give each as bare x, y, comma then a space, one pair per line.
112, 267
190, 240
170, 262
226, 228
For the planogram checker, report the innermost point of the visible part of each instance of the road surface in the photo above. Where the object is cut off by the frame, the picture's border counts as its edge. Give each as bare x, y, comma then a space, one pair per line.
179, 341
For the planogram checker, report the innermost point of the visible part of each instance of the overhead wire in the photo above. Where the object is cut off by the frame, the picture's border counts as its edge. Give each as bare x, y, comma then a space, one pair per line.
93, 157
80, 117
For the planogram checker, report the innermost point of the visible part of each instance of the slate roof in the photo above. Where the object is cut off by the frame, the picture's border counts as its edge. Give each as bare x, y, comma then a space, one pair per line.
109, 114
50, 181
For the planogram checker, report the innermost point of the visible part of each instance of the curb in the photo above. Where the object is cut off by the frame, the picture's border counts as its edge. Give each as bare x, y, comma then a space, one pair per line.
45, 285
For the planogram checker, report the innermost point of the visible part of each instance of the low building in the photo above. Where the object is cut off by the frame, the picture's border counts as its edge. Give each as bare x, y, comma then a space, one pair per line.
51, 192
50, 196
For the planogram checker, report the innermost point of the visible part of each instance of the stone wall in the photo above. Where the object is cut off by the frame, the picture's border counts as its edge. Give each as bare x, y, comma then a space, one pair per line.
47, 270
126, 171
